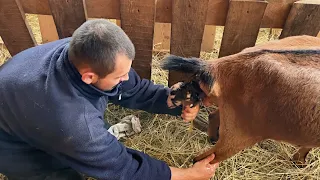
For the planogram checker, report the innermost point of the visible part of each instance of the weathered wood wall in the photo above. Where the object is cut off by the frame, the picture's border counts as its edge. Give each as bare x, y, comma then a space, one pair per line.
189, 28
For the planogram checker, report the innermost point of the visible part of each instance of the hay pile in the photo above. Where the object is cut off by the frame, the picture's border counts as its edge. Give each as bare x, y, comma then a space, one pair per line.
167, 138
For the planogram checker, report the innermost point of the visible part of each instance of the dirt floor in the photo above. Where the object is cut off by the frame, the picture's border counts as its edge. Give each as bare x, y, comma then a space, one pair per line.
167, 138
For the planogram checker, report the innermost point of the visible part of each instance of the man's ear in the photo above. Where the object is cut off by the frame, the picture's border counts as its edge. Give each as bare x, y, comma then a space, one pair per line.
89, 77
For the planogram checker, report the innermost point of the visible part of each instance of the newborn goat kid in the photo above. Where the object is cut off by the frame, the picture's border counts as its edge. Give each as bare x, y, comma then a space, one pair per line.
187, 92
271, 91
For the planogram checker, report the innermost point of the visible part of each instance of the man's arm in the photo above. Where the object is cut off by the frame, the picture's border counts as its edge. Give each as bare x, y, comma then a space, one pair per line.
90, 149
143, 94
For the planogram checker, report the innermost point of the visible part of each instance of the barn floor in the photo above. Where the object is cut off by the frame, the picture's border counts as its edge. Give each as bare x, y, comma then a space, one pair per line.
167, 138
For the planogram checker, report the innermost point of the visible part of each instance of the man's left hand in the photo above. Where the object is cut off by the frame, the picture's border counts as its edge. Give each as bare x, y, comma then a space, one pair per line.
190, 113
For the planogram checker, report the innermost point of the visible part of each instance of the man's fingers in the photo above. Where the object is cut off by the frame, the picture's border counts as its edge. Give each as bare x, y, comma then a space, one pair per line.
187, 110
188, 119
208, 159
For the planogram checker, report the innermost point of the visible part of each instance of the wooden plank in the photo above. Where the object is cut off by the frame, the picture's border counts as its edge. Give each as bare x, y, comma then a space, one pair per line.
15, 31
304, 19
67, 15
217, 12
137, 20
109, 9
161, 38
162, 34
275, 14
209, 35
242, 26
36, 7
47, 28
188, 23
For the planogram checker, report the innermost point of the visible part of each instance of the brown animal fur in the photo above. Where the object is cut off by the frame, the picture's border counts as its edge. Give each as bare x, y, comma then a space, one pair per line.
266, 95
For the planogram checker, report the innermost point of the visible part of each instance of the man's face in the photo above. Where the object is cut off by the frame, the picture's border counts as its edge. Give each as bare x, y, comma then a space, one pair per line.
120, 73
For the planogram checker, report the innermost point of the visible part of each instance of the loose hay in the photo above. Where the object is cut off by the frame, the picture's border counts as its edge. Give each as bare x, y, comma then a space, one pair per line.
4, 53
167, 138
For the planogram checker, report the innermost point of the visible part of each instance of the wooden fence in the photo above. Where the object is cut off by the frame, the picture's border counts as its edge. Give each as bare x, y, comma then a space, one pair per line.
242, 20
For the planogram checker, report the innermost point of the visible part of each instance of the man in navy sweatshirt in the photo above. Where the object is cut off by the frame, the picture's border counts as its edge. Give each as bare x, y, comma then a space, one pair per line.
52, 102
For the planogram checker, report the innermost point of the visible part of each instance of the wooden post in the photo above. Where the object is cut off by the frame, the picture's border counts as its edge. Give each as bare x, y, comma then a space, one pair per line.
276, 13
162, 33
188, 23
137, 20
208, 38
161, 39
68, 16
303, 19
242, 25
14, 30
47, 28
274, 17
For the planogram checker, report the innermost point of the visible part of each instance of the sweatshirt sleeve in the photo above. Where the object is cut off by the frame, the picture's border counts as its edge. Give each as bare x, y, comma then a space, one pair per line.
103, 157
90, 149
143, 94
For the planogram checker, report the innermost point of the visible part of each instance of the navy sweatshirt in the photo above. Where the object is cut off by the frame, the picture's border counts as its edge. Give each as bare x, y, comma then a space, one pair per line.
50, 119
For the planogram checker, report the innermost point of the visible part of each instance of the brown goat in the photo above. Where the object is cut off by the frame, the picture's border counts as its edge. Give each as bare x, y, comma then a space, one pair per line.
271, 91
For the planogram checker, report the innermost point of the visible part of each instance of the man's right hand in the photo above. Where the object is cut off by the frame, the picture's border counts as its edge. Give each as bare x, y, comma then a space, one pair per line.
201, 170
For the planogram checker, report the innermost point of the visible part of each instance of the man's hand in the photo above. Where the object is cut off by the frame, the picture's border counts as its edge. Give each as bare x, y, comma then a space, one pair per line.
202, 170
188, 113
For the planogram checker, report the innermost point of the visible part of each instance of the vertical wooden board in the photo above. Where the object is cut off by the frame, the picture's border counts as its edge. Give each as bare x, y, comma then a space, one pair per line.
137, 20
208, 38
109, 9
14, 30
162, 34
303, 19
242, 26
163, 11
276, 13
68, 16
36, 6
217, 12
48, 28
161, 38
188, 23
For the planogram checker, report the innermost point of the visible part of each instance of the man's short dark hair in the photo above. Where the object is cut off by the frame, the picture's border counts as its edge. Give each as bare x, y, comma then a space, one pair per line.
96, 43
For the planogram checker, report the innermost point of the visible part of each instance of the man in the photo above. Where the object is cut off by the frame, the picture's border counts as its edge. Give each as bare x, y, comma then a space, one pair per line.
52, 101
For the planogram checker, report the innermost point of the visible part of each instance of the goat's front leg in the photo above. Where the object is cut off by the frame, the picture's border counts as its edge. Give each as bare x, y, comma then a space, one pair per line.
232, 139
213, 127
227, 146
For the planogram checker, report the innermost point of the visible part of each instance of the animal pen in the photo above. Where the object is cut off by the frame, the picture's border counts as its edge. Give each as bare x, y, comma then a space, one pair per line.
186, 27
